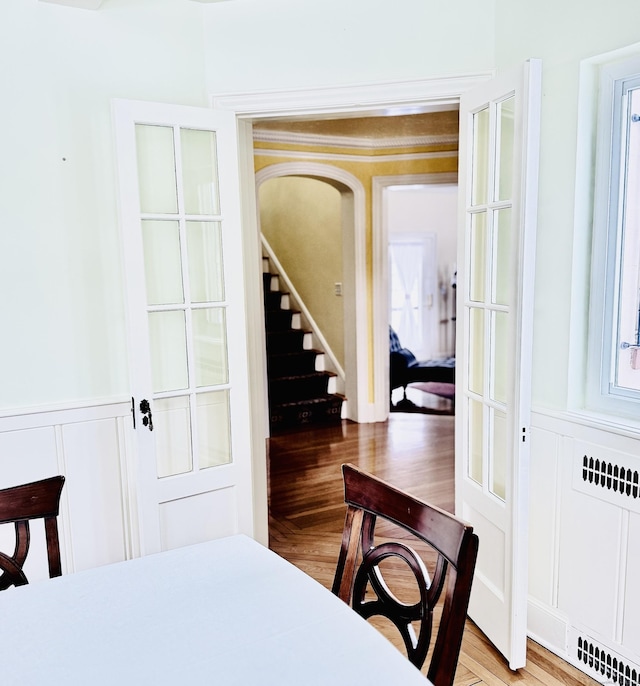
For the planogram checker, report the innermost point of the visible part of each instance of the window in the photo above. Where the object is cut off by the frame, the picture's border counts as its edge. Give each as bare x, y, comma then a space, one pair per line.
615, 271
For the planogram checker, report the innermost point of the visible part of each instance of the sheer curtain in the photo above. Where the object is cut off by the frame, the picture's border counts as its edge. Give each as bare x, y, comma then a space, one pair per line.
406, 269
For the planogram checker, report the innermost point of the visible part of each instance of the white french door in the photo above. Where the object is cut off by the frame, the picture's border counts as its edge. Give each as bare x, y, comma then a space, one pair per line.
496, 260
183, 263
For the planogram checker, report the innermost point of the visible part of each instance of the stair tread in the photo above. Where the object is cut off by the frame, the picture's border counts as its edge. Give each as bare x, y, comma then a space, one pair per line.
329, 397
309, 375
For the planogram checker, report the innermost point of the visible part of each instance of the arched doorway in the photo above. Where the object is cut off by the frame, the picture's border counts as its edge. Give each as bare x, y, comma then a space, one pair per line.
354, 366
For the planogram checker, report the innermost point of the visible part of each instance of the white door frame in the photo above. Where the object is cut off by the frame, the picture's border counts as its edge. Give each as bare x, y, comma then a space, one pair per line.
373, 99
380, 259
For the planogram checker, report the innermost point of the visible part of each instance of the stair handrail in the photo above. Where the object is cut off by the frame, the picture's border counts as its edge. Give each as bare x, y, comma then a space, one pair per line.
310, 321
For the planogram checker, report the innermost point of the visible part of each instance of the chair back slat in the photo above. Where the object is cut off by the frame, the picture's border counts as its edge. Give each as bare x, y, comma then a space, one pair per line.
20, 505
370, 499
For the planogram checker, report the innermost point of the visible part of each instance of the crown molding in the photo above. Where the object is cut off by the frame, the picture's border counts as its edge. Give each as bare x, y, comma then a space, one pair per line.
351, 142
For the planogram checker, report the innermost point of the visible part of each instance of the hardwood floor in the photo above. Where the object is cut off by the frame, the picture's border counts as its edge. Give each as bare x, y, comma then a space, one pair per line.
415, 453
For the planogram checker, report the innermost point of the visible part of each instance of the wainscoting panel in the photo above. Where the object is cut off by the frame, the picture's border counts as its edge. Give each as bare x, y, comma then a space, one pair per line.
585, 544
631, 618
89, 446
94, 493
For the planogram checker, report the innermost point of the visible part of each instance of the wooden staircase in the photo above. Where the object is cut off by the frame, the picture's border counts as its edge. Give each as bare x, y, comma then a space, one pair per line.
301, 391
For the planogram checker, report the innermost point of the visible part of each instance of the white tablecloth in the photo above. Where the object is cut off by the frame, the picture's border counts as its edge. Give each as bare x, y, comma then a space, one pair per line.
224, 612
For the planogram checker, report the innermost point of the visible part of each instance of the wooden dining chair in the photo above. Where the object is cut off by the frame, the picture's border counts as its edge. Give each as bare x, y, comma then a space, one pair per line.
446, 562
18, 506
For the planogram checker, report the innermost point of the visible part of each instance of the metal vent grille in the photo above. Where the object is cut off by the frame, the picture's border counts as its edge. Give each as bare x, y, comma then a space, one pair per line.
611, 476
602, 662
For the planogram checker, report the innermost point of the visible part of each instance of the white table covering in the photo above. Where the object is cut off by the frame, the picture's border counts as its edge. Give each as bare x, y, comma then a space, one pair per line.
223, 612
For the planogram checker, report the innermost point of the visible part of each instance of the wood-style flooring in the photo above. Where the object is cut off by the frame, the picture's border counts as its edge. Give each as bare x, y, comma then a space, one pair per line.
415, 453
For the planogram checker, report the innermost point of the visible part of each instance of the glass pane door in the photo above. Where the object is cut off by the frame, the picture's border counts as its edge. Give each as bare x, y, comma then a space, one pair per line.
183, 264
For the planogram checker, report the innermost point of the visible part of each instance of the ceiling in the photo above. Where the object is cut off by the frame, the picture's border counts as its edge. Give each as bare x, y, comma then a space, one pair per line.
441, 123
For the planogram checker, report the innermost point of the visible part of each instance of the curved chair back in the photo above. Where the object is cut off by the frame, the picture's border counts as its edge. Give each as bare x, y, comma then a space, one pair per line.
19, 505
360, 580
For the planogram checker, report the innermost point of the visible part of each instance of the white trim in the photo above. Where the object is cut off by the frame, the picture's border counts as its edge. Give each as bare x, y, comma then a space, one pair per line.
381, 276
353, 142
354, 279
47, 415
399, 97
406, 97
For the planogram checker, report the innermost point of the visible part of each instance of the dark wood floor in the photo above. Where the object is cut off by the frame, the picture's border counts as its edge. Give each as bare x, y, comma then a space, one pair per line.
415, 453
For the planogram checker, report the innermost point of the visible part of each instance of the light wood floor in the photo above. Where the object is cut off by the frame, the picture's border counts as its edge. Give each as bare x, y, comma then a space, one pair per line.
415, 453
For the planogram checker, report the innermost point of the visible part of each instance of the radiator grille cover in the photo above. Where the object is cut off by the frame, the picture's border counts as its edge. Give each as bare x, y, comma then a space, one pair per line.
604, 664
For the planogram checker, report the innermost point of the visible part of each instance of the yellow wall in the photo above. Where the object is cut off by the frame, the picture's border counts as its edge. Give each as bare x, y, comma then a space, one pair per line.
301, 220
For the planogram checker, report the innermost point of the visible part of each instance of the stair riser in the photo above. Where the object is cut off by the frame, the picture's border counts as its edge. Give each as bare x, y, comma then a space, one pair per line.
293, 364
298, 388
292, 416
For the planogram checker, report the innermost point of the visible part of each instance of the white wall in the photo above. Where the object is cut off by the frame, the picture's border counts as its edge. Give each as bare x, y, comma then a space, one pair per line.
562, 34
62, 304
262, 45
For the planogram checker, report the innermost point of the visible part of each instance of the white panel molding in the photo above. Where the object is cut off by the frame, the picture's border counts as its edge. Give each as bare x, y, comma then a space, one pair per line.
50, 415
548, 627
80, 442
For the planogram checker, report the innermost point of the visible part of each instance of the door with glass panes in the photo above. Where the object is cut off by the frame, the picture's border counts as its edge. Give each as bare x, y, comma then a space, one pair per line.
187, 340
496, 260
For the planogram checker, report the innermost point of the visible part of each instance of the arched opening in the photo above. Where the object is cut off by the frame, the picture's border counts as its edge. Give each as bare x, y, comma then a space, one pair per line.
312, 215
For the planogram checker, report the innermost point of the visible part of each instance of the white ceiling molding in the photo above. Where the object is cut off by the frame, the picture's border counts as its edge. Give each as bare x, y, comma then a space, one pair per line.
353, 142
83, 4
397, 97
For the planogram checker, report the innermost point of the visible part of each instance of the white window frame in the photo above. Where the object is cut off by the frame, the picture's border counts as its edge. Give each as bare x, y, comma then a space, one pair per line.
602, 394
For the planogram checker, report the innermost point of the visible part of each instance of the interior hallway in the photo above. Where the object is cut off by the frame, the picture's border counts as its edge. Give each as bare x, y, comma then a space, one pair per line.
415, 453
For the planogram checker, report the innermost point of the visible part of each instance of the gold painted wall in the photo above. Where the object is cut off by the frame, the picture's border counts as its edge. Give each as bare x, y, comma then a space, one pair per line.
301, 220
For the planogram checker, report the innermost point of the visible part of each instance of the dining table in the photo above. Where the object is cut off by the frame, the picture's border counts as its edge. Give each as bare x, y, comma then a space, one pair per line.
226, 612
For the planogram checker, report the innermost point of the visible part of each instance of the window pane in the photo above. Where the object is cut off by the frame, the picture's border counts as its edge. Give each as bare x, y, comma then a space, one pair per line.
500, 353
168, 346
162, 268
498, 453
505, 150
627, 372
156, 169
172, 428
214, 441
476, 440
210, 346
476, 346
501, 256
478, 258
199, 172
480, 167
204, 246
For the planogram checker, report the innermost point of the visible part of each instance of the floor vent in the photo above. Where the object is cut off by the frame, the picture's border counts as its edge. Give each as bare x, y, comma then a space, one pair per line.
611, 476
602, 662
